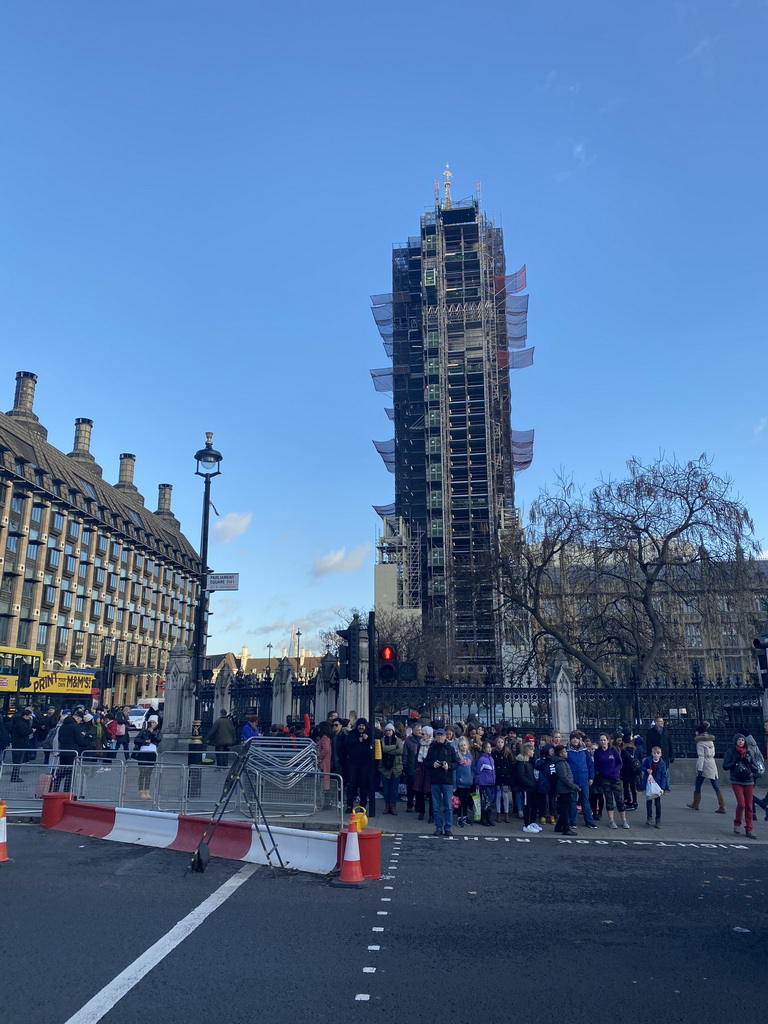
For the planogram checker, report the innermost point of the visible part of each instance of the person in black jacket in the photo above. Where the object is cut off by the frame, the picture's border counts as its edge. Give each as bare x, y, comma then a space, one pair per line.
410, 764
442, 761
525, 782
122, 734
738, 761
504, 763
357, 764
659, 736
21, 739
73, 739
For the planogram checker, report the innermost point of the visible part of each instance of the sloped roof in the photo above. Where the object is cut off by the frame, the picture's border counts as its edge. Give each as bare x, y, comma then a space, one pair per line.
19, 442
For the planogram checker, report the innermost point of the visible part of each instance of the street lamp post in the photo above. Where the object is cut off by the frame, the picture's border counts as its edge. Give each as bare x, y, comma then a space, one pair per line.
208, 462
269, 662
107, 668
298, 654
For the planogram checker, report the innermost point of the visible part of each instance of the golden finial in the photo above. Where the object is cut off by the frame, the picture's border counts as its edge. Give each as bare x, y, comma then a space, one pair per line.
447, 174
209, 437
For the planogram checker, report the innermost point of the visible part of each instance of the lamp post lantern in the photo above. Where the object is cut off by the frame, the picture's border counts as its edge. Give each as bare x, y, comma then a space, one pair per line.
208, 462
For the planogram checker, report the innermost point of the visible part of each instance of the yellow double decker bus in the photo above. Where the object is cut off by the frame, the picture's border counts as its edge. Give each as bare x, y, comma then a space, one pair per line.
20, 686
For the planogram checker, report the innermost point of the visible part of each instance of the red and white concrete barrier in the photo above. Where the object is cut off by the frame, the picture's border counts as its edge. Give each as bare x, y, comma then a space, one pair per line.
233, 840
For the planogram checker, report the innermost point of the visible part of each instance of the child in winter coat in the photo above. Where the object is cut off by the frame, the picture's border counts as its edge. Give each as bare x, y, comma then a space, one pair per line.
485, 778
654, 767
526, 785
504, 766
545, 784
465, 780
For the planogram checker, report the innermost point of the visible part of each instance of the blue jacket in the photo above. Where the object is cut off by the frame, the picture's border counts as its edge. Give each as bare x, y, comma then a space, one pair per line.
465, 773
582, 766
661, 776
485, 771
545, 766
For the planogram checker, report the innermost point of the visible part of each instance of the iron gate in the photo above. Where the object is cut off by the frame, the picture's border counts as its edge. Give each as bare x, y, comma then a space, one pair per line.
250, 696
728, 707
522, 707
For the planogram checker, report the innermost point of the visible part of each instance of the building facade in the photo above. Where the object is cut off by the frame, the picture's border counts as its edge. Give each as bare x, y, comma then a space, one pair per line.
87, 569
449, 324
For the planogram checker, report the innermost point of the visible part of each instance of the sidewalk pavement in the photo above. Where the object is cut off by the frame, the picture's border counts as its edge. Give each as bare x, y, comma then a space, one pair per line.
679, 822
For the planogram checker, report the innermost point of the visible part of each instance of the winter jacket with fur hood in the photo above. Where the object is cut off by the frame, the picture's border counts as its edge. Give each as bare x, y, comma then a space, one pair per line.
705, 756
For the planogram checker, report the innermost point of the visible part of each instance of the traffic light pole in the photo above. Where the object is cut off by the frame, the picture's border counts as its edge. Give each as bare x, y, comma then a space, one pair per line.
372, 648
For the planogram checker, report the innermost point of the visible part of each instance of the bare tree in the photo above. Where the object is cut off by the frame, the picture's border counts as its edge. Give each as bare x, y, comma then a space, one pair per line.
602, 576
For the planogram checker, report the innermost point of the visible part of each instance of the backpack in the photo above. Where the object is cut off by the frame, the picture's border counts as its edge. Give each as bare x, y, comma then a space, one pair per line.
50, 739
758, 764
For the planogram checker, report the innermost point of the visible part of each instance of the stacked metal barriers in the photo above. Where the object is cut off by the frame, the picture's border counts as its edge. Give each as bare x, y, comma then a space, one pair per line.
287, 792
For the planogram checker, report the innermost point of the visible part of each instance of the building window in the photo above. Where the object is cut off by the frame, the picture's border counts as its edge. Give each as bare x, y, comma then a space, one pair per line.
42, 635
730, 636
734, 668
693, 634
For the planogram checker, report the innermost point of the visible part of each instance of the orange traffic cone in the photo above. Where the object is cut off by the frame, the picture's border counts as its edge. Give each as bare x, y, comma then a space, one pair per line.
351, 869
3, 843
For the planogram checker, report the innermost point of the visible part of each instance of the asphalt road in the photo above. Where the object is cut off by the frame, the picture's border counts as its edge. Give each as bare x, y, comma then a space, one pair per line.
468, 929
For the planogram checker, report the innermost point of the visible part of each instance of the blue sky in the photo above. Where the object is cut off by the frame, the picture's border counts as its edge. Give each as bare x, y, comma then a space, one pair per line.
198, 197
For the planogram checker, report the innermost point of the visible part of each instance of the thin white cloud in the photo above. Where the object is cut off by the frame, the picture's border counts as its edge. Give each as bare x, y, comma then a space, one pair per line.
610, 105
760, 426
231, 525
341, 560
701, 51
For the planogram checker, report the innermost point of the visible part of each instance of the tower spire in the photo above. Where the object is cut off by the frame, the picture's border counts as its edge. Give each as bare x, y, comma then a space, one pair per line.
448, 174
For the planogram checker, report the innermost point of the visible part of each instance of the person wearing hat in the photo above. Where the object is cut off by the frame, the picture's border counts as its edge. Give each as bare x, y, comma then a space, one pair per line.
391, 767
410, 763
357, 760
21, 728
72, 740
442, 762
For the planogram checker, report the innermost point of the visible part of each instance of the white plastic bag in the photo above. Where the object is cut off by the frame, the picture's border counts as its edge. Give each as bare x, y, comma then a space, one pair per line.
652, 788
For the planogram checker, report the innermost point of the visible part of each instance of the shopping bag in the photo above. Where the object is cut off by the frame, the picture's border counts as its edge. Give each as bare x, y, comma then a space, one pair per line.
43, 785
652, 788
477, 806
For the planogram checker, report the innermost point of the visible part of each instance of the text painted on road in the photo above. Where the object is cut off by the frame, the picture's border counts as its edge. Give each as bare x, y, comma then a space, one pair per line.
589, 842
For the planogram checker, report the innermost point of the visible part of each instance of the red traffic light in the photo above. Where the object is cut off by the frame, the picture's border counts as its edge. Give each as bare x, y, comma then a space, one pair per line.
387, 653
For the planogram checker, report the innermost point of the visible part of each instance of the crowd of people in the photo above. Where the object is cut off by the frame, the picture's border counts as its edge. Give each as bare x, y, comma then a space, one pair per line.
465, 774
462, 774
97, 736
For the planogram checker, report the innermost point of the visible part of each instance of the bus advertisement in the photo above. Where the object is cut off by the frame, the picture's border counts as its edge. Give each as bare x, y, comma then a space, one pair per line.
59, 689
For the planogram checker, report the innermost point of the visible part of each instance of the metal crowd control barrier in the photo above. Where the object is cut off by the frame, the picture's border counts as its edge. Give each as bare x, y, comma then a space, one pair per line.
296, 754
286, 794
24, 777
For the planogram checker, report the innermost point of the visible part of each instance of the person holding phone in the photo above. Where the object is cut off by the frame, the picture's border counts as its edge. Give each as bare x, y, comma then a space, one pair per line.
442, 762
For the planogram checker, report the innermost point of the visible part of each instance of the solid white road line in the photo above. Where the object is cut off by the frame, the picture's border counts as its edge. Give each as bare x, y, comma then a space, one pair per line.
112, 992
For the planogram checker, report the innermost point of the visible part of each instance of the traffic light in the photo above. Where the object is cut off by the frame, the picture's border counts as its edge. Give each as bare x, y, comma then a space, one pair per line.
409, 672
387, 663
350, 658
